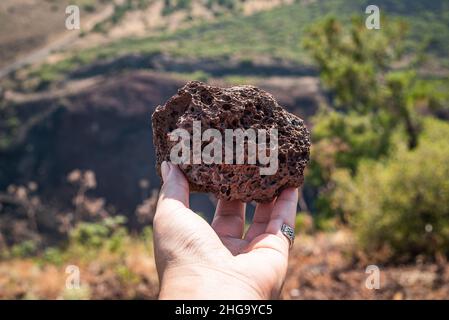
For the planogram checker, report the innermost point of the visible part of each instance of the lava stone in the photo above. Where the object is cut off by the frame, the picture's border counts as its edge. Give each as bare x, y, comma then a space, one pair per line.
239, 107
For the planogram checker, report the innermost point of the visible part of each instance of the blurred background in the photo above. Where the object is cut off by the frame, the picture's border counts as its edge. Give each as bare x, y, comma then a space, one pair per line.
77, 179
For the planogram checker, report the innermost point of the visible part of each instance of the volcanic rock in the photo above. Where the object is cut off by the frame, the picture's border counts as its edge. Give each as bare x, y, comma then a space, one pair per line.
240, 107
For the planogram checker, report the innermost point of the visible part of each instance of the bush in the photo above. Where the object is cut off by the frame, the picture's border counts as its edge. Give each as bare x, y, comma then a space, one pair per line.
108, 233
24, 249
353, 137
402, 203
170, 6
53, 256
340, 141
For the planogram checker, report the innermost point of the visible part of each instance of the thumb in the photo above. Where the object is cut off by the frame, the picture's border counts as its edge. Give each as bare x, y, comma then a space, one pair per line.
175, 189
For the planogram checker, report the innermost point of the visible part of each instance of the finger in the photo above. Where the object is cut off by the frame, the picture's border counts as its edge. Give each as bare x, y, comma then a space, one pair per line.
175, 189
229, 219
260, 220
284, 211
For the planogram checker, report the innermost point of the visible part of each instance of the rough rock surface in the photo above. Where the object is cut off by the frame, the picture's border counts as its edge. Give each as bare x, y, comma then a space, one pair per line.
241, 107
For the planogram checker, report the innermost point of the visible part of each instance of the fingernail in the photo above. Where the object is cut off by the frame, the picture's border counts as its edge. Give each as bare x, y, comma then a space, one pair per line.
165, 169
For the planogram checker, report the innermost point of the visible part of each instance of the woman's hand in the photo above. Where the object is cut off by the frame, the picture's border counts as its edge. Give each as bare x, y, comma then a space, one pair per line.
196, 260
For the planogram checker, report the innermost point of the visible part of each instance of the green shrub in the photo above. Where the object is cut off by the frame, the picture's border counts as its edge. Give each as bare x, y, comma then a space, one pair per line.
353, 135
53, 256
171, 6
108, 233
402, 203
24, 249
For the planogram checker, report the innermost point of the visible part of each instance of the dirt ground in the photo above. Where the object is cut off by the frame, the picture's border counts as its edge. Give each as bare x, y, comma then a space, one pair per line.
321, 267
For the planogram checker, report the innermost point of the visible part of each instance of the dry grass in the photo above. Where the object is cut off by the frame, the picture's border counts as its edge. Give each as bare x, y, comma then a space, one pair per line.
107, 276
322, 266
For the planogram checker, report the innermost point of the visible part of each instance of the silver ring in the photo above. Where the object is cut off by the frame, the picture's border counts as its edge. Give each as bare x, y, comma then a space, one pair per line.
289, 232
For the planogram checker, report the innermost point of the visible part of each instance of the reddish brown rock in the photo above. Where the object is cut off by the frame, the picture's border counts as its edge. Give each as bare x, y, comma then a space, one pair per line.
232, 108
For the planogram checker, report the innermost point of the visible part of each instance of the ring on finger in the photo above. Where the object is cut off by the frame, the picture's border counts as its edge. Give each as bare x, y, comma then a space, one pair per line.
289, 233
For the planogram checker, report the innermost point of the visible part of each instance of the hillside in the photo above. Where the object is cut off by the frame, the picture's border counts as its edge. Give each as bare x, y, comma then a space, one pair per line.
266, 37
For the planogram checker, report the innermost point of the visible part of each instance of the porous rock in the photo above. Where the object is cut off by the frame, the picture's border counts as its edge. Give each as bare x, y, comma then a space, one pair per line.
232, 108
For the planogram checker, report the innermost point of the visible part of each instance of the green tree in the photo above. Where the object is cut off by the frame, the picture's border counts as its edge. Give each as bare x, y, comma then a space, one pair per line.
356, 67
369, 98
378, 163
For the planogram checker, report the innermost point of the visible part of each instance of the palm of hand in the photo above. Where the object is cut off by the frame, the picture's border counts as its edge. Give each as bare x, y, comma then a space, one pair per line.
257, 258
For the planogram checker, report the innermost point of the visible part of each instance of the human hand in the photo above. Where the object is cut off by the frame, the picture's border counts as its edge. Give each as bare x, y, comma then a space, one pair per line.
196, 260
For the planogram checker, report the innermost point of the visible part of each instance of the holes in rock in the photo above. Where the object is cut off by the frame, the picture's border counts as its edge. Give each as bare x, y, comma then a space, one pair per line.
226, 106
282, 157
213, 107
206, 98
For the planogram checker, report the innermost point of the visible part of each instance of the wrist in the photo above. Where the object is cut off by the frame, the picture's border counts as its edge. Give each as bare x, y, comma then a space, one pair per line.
204, 282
